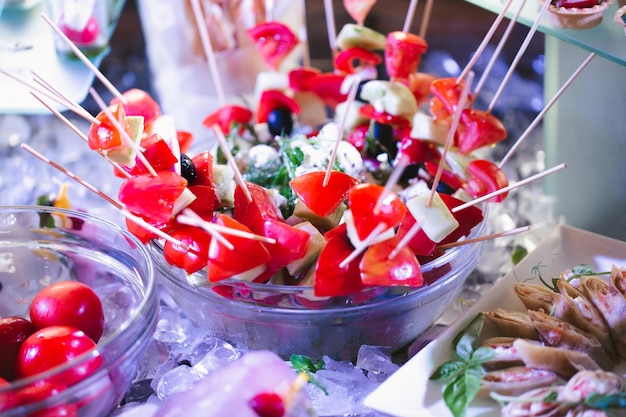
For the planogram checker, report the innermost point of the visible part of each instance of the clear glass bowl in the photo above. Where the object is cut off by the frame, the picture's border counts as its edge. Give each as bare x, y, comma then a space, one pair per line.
288, 320
43, 245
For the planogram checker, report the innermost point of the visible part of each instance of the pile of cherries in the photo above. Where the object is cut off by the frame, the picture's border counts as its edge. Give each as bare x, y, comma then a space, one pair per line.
66, 320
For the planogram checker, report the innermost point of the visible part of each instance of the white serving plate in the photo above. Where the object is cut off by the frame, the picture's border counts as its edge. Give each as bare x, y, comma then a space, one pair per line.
26, 26
410, 393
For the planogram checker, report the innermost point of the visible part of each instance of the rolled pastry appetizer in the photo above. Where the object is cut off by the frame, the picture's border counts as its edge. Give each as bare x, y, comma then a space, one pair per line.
565, 362
516, 381
540, 297
586, 316
506, 354
585, 383
534, 408
618, 279
612, 305
581, 411
512, 323
555, 332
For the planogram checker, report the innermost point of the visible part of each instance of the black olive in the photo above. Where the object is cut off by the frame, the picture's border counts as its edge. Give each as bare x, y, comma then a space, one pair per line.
385, 136
187, 168
443, 188
358, 91
280, 122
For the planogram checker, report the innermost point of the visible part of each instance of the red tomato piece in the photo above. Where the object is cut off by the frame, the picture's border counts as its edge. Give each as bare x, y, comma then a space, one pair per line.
358, 137
144, 235
206, 201
449, 92
57, 345
352, 59
378, 269
419, 83
438, 109
185, 139
105, 137
203, 162
68, 303
152, 197
331, 279
340, 230
420, 243
138, 102
403, 52
467, 218
274, 99
291, 243
486, 177
84, 36
195, 257
229, 116
253, 214
159, 155
369, 112
299, 77
327, 86
447, 177
274, 41
416, 151
362, 199
13, 332
477, 129
322, 200
224, 262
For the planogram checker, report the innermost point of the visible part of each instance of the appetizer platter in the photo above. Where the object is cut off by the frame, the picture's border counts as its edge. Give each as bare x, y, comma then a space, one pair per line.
410, 392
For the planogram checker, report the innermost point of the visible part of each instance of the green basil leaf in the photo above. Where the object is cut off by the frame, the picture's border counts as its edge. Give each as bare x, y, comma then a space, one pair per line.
465, 341
482, 354
461, 391
606, 401
448, 370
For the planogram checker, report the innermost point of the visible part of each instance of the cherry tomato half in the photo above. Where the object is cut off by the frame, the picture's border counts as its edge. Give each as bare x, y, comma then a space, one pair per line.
69, 303
13, 332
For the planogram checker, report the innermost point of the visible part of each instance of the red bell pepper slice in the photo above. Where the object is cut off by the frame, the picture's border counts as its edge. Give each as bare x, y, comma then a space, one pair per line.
298, 77
403, 52
227, 116
447, 177
139, 103
477, 129
369, 112
331, 279
486, 177
152, 197
468, 218
224, 262
352, 59
274, 99
327, 87
274, 41
322, 200
362, 200
195, 256
378, 269
254, 213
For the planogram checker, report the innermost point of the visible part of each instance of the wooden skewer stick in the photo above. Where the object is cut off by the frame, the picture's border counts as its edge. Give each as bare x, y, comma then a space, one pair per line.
509, 188
121, 207
426, 18
221, 139
190, 217
85, 60
391, 181
69, 103
518, 56
547, 107
122, 132
354, 87
451, 131
408, 20
44, 92
205, 38
404, 241
80, 134
381, 227
485, 42
483, 238
498, 50
329, 12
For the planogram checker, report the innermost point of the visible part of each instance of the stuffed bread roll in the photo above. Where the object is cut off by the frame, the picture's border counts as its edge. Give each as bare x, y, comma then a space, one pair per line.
512, 323
540, 297
506, 354
555, 332
534, 408
612, 305
516, 381
585, 383
565, 362
586, 316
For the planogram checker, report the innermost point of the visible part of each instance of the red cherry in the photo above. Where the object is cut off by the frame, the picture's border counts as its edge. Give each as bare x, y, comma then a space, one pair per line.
268, 404
85, 36
13, 332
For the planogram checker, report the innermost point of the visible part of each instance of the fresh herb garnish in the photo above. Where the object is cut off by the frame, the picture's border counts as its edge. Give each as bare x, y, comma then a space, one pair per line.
579, 271
519, 252
301, 363
602, 402
465, 372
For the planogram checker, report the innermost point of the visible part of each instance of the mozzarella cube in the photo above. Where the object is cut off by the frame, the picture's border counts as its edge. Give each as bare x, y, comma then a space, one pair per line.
436, 220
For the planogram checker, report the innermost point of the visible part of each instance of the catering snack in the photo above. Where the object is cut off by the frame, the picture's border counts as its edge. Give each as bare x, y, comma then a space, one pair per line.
585, 14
